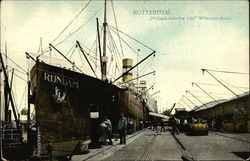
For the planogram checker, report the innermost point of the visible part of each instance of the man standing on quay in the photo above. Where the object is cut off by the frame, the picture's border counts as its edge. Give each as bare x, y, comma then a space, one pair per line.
122, 128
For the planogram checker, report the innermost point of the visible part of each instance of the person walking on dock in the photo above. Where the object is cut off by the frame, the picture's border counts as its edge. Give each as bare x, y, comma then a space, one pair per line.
109, 129
175, 126
122, 128
155, 124
162, 126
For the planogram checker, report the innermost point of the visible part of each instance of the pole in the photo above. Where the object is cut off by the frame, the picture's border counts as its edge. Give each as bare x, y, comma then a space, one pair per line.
149, 88
6, 109
8, 87
1, 127
203, 70
100, 51
7, 100
198, 100
171, 109
65, 57
181, 104
155, 93
190, 101
133, 67
104, 42
28, 113
205, 92
29, 56
186, 104
81, 49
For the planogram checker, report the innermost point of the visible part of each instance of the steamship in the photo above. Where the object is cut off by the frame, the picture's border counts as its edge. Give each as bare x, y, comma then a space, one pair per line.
69, 104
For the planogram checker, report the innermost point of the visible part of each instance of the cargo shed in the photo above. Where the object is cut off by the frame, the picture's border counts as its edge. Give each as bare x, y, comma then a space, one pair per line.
231, 115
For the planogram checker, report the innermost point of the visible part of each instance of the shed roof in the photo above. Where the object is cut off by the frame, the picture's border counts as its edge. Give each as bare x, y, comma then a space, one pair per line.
180, 109
221, 101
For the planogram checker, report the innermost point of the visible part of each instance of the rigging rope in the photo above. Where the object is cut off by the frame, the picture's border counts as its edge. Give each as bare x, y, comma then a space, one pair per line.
15, 63
113, 41
230, 84
72, 21
113, 51
78, 28
212, 93
117, 27
149, 80
16, 70
89, 51
93, 59
116, 52
127, 44
20, 77
94, 44
220, 85
46, 50
110, 50
71, 49
96, 50
14, 97
133, 38
39, 49
80, 57
147, 65
221, 71
23, 96
72, 53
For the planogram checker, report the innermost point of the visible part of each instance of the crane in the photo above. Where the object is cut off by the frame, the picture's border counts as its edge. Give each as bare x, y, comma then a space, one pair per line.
171, 109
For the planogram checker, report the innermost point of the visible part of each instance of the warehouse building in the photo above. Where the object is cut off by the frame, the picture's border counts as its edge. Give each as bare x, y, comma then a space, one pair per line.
227, 115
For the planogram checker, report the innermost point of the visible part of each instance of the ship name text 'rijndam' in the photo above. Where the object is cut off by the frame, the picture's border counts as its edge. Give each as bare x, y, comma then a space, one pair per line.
60, 80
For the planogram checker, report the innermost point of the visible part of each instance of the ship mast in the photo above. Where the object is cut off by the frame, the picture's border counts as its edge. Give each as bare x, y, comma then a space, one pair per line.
104, 58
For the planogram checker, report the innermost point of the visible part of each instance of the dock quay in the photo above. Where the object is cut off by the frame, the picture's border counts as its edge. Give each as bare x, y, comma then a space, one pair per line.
156, 145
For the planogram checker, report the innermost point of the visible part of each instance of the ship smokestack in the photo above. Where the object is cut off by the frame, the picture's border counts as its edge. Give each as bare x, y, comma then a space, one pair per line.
126, 65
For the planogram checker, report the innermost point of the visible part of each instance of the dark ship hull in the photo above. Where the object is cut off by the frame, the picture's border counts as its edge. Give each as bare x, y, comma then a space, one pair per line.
66, 101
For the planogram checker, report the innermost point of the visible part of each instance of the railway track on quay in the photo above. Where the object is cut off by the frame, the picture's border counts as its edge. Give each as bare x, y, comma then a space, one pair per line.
149, 148
144, 145
113, 146
152, 145
186, 154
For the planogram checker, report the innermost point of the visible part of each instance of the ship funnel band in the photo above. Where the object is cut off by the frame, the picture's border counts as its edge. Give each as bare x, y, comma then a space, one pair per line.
127, 63
129, 74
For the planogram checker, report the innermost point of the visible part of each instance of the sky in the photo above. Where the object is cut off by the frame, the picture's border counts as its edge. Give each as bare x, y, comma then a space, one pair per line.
186, 35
